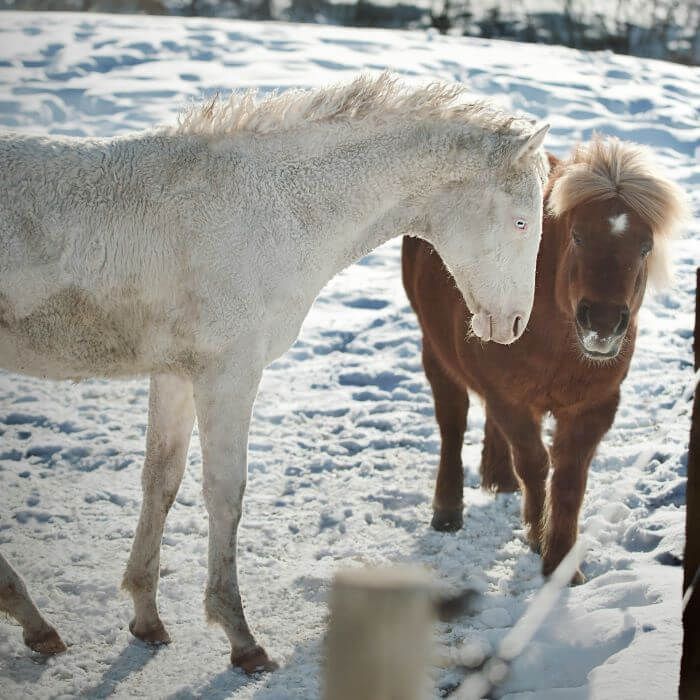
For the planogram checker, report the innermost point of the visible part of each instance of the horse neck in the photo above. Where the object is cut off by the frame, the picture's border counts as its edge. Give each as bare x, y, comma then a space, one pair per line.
354, 187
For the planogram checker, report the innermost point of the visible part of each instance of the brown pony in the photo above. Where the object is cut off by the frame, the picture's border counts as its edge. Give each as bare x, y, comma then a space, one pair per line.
609, 215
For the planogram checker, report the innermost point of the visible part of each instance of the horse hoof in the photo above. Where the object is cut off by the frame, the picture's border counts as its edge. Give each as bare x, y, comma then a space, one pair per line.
47, 642
447, 520
506, 486
500, 484
253, 660
151, 634
533, 542
578, 578
497, 475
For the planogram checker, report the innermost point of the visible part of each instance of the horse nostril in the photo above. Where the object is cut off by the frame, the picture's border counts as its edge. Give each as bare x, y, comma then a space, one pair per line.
623, 322
583, 314
517, 323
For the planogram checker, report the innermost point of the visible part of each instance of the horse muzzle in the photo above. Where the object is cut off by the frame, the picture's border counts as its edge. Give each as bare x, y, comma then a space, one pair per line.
503, 329
601, 328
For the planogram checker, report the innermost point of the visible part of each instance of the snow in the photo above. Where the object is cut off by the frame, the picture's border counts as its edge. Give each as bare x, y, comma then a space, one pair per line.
343, 446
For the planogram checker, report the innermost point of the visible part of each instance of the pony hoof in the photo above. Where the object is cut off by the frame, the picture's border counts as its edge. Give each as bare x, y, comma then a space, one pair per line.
47, 642
508, 484
578, 578
447, 520
253, 660
152, 634
534, 543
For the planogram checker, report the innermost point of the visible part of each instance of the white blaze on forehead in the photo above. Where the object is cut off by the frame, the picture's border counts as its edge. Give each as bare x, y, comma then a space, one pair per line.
618, 224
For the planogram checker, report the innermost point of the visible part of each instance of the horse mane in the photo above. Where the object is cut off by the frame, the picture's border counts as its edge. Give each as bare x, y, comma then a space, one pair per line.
606, 168
365, 98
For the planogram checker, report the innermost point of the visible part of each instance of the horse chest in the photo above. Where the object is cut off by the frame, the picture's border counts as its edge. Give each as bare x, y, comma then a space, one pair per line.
564, 382
545, 374
283, 325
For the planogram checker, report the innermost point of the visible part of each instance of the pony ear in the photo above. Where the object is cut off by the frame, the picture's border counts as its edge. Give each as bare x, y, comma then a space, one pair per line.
531, 143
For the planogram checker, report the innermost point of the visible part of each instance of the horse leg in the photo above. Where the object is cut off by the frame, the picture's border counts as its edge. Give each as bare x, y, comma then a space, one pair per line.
15, 600
530, 459
575, 440
451, 407
170, 420
496, 464
224, 399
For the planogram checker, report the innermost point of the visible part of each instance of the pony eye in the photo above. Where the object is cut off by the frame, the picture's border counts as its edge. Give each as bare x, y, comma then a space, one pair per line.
646, 249
520, 224
576, 238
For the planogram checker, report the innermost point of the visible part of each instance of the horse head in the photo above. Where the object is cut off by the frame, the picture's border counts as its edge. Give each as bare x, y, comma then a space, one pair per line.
487, 231
616, 214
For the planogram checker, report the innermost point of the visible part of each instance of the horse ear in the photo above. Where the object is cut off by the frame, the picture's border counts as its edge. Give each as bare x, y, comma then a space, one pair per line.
531, 143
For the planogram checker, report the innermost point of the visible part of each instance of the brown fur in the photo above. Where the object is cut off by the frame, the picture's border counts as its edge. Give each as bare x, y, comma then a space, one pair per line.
545, 371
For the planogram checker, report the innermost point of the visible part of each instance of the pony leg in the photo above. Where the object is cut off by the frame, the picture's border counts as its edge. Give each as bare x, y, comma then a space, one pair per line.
530, 460
496, 464
15, 600
575, 441
170, 420
451, 408
224, 398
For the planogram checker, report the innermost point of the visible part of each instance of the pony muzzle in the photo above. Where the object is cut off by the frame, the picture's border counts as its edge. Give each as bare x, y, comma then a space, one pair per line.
601, 328
599, 347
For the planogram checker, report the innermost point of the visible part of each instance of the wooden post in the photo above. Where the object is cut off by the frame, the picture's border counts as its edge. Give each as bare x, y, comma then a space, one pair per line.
379, 636
689, 688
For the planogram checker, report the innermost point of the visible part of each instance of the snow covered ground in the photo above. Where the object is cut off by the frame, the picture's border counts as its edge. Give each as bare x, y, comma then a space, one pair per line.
344, 447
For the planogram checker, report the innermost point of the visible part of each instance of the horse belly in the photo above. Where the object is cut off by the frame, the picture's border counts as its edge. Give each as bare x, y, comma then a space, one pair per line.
70, 336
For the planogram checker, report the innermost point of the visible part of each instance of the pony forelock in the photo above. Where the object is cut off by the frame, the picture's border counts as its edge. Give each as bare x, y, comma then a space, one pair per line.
607, 168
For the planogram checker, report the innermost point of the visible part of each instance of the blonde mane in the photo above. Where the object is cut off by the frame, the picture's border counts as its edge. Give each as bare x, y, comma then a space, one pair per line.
365, 98
606, 168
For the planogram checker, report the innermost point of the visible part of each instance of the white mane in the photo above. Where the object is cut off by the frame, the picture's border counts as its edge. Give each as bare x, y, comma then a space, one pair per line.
365, 98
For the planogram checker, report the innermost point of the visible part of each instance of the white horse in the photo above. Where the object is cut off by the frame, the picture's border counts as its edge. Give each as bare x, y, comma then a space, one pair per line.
193, 253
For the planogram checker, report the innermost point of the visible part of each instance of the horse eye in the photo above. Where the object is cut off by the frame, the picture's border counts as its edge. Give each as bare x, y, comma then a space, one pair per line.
577, 239
521, 224
646, 249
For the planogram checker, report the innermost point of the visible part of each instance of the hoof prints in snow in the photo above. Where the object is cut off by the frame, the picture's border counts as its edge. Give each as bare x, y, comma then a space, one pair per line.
386, 381
362, 303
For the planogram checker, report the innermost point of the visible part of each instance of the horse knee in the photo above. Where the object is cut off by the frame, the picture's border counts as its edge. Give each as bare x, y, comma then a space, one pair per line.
162, 473
224, 494
566, 500
532, 463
